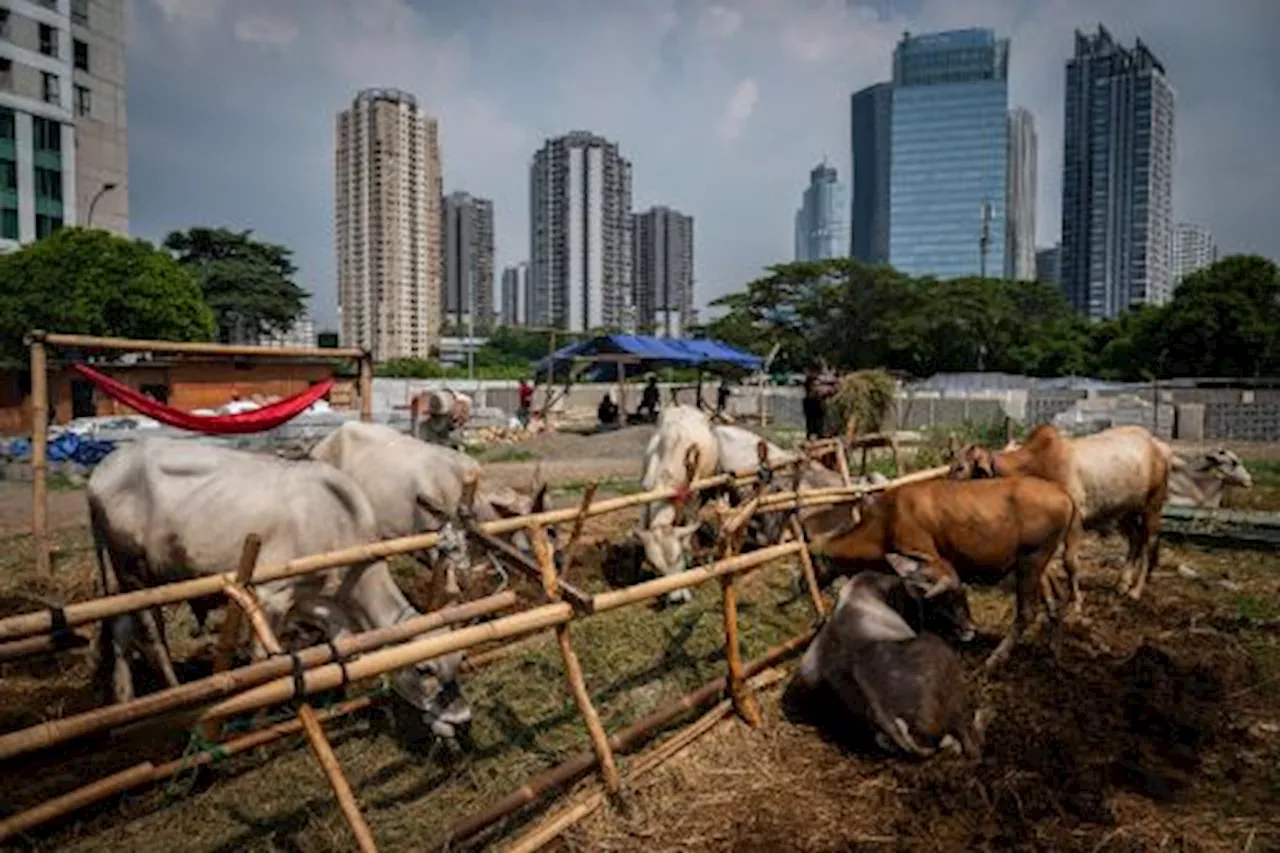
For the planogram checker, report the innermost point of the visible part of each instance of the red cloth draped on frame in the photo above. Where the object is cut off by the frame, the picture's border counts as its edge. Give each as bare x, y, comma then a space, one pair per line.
258, 420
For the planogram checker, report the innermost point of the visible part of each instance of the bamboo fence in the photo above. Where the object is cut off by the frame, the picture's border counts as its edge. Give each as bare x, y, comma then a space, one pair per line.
282, 678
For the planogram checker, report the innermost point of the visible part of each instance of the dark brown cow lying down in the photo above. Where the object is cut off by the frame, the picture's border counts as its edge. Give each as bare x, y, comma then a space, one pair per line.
911, 687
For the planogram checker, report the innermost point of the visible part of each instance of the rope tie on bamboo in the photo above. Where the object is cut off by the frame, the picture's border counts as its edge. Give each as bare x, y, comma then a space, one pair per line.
340, 659
60, 631
683, 494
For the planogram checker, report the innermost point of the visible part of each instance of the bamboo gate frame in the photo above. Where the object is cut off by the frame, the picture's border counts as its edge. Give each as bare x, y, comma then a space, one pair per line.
285, 677
40, 341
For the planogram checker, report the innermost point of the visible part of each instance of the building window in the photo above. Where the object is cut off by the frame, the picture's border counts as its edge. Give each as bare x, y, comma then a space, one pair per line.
84, 101
46, 225
4, 23
81, 51
49, 184
6, 73
51, 87
7, 129
47, 133
8, 175
80, 11
9, 223
48, 40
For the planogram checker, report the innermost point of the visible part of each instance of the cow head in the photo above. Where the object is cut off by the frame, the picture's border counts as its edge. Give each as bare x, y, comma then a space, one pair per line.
665, 547
431, 686
1226, 466
508, 503
972, 463
945, 603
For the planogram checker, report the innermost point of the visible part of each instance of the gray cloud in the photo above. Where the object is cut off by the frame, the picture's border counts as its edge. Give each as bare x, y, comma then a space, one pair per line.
722, 106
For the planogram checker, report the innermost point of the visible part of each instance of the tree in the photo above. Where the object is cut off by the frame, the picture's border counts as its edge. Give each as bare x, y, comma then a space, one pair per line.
91, 282
248, 283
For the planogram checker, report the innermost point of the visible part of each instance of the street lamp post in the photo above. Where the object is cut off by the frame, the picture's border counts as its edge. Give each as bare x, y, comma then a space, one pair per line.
103, 190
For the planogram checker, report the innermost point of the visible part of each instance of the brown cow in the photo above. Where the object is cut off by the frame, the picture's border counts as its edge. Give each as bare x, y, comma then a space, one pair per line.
1117, 477
938, 531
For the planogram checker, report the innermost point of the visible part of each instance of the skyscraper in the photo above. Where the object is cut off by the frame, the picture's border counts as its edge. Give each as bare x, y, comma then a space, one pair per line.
1193, 249
63, 140
948, 170
1117, 178
662, 258
579, 232
1020, 240
515, 295
387, 225
468, 260
871, 119
820, 232
1049, 266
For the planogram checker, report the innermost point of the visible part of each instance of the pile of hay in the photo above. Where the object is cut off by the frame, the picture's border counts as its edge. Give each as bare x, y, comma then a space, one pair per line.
868, 397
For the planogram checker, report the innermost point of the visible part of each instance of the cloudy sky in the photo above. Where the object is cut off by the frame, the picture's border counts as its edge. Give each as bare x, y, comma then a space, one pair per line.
722, 107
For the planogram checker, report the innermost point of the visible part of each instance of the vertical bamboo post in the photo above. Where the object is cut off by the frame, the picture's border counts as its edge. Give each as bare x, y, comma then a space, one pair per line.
229, 634
247, 602
366, 387
39, 448
897, 457
572, 666
806, 567
842, 460
743, 700
571, 549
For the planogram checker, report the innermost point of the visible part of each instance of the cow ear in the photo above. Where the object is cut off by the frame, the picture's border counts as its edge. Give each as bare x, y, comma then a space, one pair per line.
905, 566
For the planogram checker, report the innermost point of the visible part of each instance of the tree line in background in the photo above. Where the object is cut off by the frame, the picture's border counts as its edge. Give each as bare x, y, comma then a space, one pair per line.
213, 283
1223, 321
202, 284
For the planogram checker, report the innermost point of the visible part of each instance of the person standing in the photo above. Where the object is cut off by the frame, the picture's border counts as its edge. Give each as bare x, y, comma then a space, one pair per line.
722, 396
525, 393
814, 407
650, 399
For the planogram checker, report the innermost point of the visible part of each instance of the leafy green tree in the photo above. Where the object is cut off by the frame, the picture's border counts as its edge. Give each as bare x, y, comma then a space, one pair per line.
248, 283
91, 282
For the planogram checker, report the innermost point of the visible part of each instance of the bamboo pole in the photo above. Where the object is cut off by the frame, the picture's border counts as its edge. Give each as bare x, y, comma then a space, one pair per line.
366, 386
329, 676
53, 732
550, 829
229, 635
842, 460
571, 549
806, 567
39, 451
743, 700
310, 723
572, 666
622, 741
76, 800
194, 348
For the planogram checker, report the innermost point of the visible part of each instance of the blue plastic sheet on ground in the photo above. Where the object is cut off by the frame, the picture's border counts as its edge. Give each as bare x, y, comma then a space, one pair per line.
67, 447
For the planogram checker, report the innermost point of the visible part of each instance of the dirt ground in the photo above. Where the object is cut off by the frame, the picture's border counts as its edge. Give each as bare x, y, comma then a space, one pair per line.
1159, 729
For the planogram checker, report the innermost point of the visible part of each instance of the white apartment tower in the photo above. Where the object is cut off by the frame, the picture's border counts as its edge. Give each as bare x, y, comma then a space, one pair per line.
387, 218
63, 146
1193, 249
579, 233
1020, 220
662, 263
468, 261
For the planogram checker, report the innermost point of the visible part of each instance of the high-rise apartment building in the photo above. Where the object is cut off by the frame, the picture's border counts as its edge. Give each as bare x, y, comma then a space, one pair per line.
820, 233
515, 295
1020, 238
388, 219
1117, 178
1049, 266
468, 261
579, 233
301, 334
871, 122
63, 134
1193, 249
662, 260
948, 168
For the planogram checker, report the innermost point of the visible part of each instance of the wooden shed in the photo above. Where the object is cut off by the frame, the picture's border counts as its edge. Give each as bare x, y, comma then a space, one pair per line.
185, 383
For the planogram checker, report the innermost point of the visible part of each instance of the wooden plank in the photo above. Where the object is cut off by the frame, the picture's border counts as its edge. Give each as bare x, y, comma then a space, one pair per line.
226, 350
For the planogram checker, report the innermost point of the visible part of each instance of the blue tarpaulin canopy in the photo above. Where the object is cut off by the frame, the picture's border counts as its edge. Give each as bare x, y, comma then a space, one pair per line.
637, 353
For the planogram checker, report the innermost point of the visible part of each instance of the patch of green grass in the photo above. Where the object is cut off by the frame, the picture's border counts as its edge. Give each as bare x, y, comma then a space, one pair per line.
511, 453
60, 482
1257, 606
616, 485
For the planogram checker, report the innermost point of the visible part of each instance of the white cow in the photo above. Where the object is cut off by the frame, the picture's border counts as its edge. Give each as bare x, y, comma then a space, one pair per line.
665, 544
163, 510
415, 486
1203, 480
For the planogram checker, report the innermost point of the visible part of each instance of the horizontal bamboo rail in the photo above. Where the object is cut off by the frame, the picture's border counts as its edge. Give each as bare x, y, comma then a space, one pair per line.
191, 347
622, 741
221, 684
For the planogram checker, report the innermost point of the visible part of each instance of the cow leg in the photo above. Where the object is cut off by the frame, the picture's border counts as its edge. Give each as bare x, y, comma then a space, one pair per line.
154, 644
115, 646
1130, 527
1149, 548
1071, 564
1029, 583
